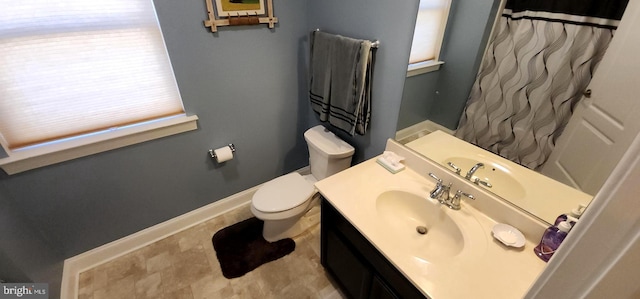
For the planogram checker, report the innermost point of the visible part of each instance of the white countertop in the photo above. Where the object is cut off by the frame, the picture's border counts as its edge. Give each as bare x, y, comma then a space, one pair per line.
484, 269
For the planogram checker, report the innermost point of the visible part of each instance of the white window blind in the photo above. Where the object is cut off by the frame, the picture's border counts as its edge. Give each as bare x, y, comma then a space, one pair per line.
430, 24
74, 67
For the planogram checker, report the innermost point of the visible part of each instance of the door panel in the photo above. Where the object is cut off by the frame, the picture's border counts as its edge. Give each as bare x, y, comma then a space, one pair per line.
603, 126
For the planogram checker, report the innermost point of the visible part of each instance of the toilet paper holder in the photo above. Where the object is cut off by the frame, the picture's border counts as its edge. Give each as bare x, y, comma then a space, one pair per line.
213, 154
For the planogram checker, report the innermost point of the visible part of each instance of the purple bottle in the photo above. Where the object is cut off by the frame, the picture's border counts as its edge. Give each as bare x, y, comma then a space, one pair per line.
551, 239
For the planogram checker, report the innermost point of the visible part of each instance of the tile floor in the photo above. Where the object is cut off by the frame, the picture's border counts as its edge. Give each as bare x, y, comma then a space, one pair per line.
184, 265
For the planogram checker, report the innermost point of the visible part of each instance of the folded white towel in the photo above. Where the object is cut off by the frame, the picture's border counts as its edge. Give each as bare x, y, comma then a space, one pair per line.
339, 87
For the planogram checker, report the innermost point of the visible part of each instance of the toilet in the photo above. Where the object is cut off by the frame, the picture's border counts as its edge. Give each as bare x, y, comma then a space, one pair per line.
282, 202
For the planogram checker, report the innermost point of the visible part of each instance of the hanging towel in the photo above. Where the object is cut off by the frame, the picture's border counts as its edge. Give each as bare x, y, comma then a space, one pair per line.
340, 75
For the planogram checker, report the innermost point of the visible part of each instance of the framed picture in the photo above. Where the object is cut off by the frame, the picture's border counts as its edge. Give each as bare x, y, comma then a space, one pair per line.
239, 12
226, 8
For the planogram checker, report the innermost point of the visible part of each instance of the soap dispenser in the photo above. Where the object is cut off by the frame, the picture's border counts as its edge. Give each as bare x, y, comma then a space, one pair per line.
572, 217
551, 240
564, 217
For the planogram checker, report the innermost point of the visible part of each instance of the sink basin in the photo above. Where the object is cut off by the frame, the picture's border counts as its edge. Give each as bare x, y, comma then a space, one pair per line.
499, 176
401, 213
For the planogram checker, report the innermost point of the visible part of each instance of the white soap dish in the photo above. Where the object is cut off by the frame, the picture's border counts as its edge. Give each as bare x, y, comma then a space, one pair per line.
508, 235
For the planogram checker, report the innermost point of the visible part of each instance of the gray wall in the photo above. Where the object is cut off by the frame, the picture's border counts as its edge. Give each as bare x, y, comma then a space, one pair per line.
417, 98
468, 29
248, 87
26, 255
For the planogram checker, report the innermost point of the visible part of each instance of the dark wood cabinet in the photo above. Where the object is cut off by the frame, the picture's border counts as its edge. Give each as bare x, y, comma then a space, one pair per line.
358, 267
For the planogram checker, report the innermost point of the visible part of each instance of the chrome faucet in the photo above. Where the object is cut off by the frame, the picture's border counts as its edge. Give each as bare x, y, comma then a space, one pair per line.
440, 191
473, 170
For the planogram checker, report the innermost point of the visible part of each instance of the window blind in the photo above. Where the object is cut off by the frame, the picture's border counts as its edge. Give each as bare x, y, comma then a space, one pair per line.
429, 29
74, 67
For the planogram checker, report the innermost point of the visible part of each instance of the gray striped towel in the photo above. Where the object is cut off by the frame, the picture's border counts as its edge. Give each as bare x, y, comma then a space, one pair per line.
339, 87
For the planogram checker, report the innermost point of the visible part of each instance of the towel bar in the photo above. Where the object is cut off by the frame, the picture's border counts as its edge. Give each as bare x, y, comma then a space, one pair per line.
374, 44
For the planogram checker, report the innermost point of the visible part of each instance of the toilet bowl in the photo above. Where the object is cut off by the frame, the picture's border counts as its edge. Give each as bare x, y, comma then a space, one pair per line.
283, 202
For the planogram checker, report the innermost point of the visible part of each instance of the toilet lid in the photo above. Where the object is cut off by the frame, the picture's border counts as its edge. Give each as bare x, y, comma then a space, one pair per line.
282, 193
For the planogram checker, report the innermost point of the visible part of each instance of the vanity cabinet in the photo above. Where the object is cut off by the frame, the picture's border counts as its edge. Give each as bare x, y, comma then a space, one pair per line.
358, 267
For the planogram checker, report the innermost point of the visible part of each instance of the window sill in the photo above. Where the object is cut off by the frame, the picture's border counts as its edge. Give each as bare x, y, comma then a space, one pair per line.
27, 159
423, 67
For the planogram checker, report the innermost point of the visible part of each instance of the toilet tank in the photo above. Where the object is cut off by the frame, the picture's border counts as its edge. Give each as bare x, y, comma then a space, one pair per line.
328, 154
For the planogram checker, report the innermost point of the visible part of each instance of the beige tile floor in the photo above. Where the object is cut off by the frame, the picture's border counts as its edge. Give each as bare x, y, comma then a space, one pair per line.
184, 265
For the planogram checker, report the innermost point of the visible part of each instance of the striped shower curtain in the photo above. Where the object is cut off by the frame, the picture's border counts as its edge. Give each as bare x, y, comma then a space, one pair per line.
536, 68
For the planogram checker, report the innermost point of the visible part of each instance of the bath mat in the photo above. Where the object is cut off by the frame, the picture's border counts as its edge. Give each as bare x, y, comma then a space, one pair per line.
241, 248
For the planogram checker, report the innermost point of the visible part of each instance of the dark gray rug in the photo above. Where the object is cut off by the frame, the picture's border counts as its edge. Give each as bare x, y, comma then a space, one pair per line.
240, 248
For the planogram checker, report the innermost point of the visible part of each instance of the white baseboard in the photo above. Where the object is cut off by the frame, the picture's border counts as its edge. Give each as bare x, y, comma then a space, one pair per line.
75, 265
420, 129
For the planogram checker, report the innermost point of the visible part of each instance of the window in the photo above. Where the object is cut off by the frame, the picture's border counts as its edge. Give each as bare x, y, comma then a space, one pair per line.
82, 74
427, 37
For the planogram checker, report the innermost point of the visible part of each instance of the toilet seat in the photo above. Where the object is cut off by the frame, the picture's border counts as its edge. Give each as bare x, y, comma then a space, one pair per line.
282, 193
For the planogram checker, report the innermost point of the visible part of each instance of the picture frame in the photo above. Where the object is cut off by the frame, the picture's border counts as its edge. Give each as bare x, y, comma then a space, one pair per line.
227, 8
239, 12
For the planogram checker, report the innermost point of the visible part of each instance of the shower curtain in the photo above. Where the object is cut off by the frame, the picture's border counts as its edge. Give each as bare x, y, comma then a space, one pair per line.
536, 68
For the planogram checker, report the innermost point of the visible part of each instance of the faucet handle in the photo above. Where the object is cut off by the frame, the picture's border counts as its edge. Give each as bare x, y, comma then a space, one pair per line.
477, 181
454, 203
456, 168
435, 177
459, 194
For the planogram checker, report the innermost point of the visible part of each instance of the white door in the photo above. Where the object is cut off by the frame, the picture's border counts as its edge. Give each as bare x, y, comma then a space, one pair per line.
604, 125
